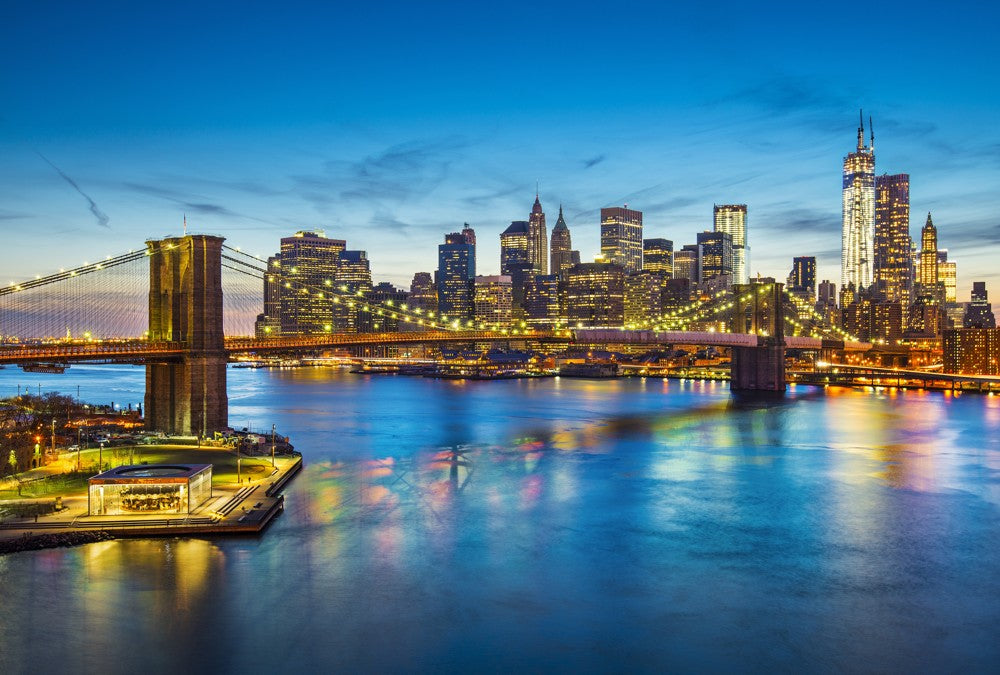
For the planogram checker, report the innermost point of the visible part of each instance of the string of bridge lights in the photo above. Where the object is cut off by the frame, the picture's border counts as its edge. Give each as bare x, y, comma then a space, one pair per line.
697, 310
341, 294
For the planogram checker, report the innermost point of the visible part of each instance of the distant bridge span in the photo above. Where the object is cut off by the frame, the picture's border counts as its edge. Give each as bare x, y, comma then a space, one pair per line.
145, 350
707, 338
185, 348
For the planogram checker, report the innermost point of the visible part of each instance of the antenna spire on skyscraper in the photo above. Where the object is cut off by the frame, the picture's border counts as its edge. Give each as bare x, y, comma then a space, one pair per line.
861, 130
185, 224
871, 129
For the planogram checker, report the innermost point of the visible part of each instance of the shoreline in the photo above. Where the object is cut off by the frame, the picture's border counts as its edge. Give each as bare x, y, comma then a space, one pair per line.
231, 518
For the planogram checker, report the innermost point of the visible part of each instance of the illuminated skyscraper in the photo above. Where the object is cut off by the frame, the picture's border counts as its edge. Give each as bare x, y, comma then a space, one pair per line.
595, 295
947, 275
826, 303
538, 251
423, 294
387, 295
515, 257
857, 255
469, 235
979, 312
353, 276
542, 306
493, 301
893, 267
716, 254
929, 260
732, 219
621, 237
353, 272
687, 263
308, 264
268, 324
974, 351
562, 254
828, 292
658, 256
455, 276
802, 278
645, 297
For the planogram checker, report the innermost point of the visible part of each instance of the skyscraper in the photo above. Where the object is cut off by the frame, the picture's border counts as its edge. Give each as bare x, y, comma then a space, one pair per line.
353, 276
385, 294
972, 351
268, 324
828, 292
929, 259
732, 219
979, 312
893, 265
595, 295
308, 264
658, 256
422, 300
515, 257
621, 237
687, 263
826, 304
541, 302
947, 276
493, 301
561, 247
644, 295
802, 279
857, 236
469, 235
423, 294
455, 278
716, 254
538, 253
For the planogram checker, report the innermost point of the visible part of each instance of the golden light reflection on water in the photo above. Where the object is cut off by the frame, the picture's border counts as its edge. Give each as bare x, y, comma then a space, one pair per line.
161, 577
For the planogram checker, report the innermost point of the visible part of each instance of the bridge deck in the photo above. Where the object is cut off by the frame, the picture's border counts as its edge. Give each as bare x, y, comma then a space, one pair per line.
132, 350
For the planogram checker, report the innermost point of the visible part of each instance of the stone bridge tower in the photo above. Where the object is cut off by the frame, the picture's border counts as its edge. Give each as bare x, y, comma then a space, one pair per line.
185, 305
759, 309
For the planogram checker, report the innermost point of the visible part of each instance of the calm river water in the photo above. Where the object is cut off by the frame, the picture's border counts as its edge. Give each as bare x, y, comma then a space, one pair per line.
553, 524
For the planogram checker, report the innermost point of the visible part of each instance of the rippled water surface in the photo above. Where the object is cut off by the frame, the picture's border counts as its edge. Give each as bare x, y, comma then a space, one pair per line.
551, 525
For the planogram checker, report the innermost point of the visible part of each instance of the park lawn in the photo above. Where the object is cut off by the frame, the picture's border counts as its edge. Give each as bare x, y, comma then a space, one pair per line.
223, 461
61, 477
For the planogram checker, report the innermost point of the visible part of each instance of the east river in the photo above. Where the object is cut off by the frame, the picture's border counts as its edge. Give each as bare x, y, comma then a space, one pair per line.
557, 524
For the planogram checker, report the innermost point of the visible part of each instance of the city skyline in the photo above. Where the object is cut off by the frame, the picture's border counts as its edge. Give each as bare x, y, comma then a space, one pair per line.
128, 157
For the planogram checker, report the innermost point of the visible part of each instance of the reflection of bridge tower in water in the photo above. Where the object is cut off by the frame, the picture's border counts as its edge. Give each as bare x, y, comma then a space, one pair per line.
758, 309
185, 305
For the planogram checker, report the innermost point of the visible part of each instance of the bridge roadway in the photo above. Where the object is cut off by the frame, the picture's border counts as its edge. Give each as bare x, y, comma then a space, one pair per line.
138, 350
854, 375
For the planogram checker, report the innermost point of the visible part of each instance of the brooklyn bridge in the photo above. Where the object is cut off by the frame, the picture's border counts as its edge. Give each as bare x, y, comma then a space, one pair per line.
180, 306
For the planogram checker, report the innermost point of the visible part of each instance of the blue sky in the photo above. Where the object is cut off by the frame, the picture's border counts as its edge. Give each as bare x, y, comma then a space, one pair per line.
390, 124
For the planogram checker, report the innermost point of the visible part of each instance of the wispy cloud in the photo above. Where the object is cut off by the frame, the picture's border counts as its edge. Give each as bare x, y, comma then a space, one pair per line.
10, 215
488, 198
801, 221
201, 206
395, 175
593, 161
102, 218
789, 94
